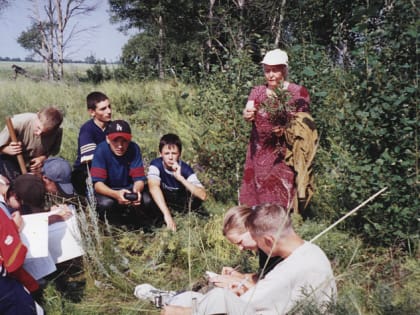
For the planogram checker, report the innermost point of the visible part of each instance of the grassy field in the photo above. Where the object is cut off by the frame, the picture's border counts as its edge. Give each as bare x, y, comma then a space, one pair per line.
371, 280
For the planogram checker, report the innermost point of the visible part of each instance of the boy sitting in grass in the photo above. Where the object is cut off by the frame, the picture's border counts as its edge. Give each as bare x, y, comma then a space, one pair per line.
117, 169
302, 280
172, 182
39, 136
91, 134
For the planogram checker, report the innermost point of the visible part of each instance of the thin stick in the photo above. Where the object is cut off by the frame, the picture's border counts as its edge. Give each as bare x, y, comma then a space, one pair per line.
349, 213
13, 137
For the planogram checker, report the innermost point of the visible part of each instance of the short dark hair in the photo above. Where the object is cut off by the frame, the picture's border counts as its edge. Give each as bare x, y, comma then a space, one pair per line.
170, 139
94, 98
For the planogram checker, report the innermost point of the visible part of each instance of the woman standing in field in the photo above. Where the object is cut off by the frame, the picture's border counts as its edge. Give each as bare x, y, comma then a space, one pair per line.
272, 108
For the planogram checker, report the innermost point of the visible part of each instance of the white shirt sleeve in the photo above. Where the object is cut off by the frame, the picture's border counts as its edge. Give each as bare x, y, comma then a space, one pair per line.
193, 179
153, 173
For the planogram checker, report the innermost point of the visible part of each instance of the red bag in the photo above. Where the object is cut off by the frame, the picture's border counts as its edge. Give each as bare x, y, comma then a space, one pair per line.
13, 252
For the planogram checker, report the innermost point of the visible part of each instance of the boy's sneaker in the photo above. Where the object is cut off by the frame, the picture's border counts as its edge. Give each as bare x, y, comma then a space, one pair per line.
146, 291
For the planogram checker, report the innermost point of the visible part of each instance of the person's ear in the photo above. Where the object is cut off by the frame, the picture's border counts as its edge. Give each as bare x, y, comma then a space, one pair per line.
268, 241
107, 140
91, 112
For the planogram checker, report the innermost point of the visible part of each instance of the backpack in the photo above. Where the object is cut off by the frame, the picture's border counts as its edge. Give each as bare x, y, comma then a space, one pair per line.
12, 250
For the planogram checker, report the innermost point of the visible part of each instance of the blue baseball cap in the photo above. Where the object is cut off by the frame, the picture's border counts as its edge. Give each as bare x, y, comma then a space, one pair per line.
59, 171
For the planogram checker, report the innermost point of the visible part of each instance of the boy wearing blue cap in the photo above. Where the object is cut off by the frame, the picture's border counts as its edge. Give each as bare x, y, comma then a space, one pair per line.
56, 175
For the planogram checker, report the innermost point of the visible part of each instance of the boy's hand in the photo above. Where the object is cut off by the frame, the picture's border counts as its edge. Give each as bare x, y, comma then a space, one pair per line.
120, 197
224, 281
177, 171
170, 223
62, 213
13, 148
138, 201
35, 165
241, 287
229, 271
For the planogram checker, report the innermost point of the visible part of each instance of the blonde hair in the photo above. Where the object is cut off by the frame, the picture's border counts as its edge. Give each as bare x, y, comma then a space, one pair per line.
269, 218
235, 219
51, 117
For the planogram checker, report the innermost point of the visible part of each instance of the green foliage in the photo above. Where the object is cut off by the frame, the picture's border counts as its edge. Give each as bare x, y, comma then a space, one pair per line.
371, 291
221, 146
31, 39
98, 73
381, 121
168, 37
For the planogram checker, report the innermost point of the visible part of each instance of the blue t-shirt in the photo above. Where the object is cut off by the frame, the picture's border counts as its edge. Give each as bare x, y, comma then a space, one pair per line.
117, 171
167, 178
90, 136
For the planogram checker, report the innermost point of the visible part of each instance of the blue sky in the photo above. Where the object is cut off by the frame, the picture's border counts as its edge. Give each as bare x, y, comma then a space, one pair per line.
103, 41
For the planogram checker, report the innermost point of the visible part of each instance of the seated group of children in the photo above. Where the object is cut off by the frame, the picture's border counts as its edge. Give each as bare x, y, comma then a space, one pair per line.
109, 170
109, 165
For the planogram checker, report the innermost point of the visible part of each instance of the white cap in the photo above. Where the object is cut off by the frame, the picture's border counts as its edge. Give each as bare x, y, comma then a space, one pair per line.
275, 57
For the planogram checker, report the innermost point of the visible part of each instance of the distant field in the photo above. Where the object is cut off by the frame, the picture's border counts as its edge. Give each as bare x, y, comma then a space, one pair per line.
36, 69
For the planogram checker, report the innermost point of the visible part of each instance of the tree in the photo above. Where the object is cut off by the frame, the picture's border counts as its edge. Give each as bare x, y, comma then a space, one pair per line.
52, 30
174, 25
40, 44
4, 4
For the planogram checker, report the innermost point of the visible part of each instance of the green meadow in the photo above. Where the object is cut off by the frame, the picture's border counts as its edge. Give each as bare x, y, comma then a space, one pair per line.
371, 278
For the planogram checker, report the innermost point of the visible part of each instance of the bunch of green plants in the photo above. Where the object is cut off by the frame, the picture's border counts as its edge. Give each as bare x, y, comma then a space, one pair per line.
366, 117
221, 146
98, 73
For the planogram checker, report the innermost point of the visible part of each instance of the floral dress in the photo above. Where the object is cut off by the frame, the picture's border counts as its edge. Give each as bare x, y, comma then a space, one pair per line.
266, 176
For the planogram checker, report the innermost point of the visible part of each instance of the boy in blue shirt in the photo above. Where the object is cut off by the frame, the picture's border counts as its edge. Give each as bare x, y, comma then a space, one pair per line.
91, 134
172, 182
117, 169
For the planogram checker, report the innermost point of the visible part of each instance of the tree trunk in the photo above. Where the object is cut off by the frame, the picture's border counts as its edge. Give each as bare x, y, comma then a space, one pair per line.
160, 49
241, 40
209, 42
278, 29
51, 50
60, 39
45, 59
46, 44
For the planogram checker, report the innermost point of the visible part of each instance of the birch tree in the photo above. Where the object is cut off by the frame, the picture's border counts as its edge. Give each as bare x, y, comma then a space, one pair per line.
54, 27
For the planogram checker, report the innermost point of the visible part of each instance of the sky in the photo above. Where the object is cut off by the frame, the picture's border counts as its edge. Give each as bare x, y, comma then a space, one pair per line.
104, 41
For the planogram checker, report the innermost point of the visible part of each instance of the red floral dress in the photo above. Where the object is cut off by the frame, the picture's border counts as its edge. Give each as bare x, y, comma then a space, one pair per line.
266, 177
